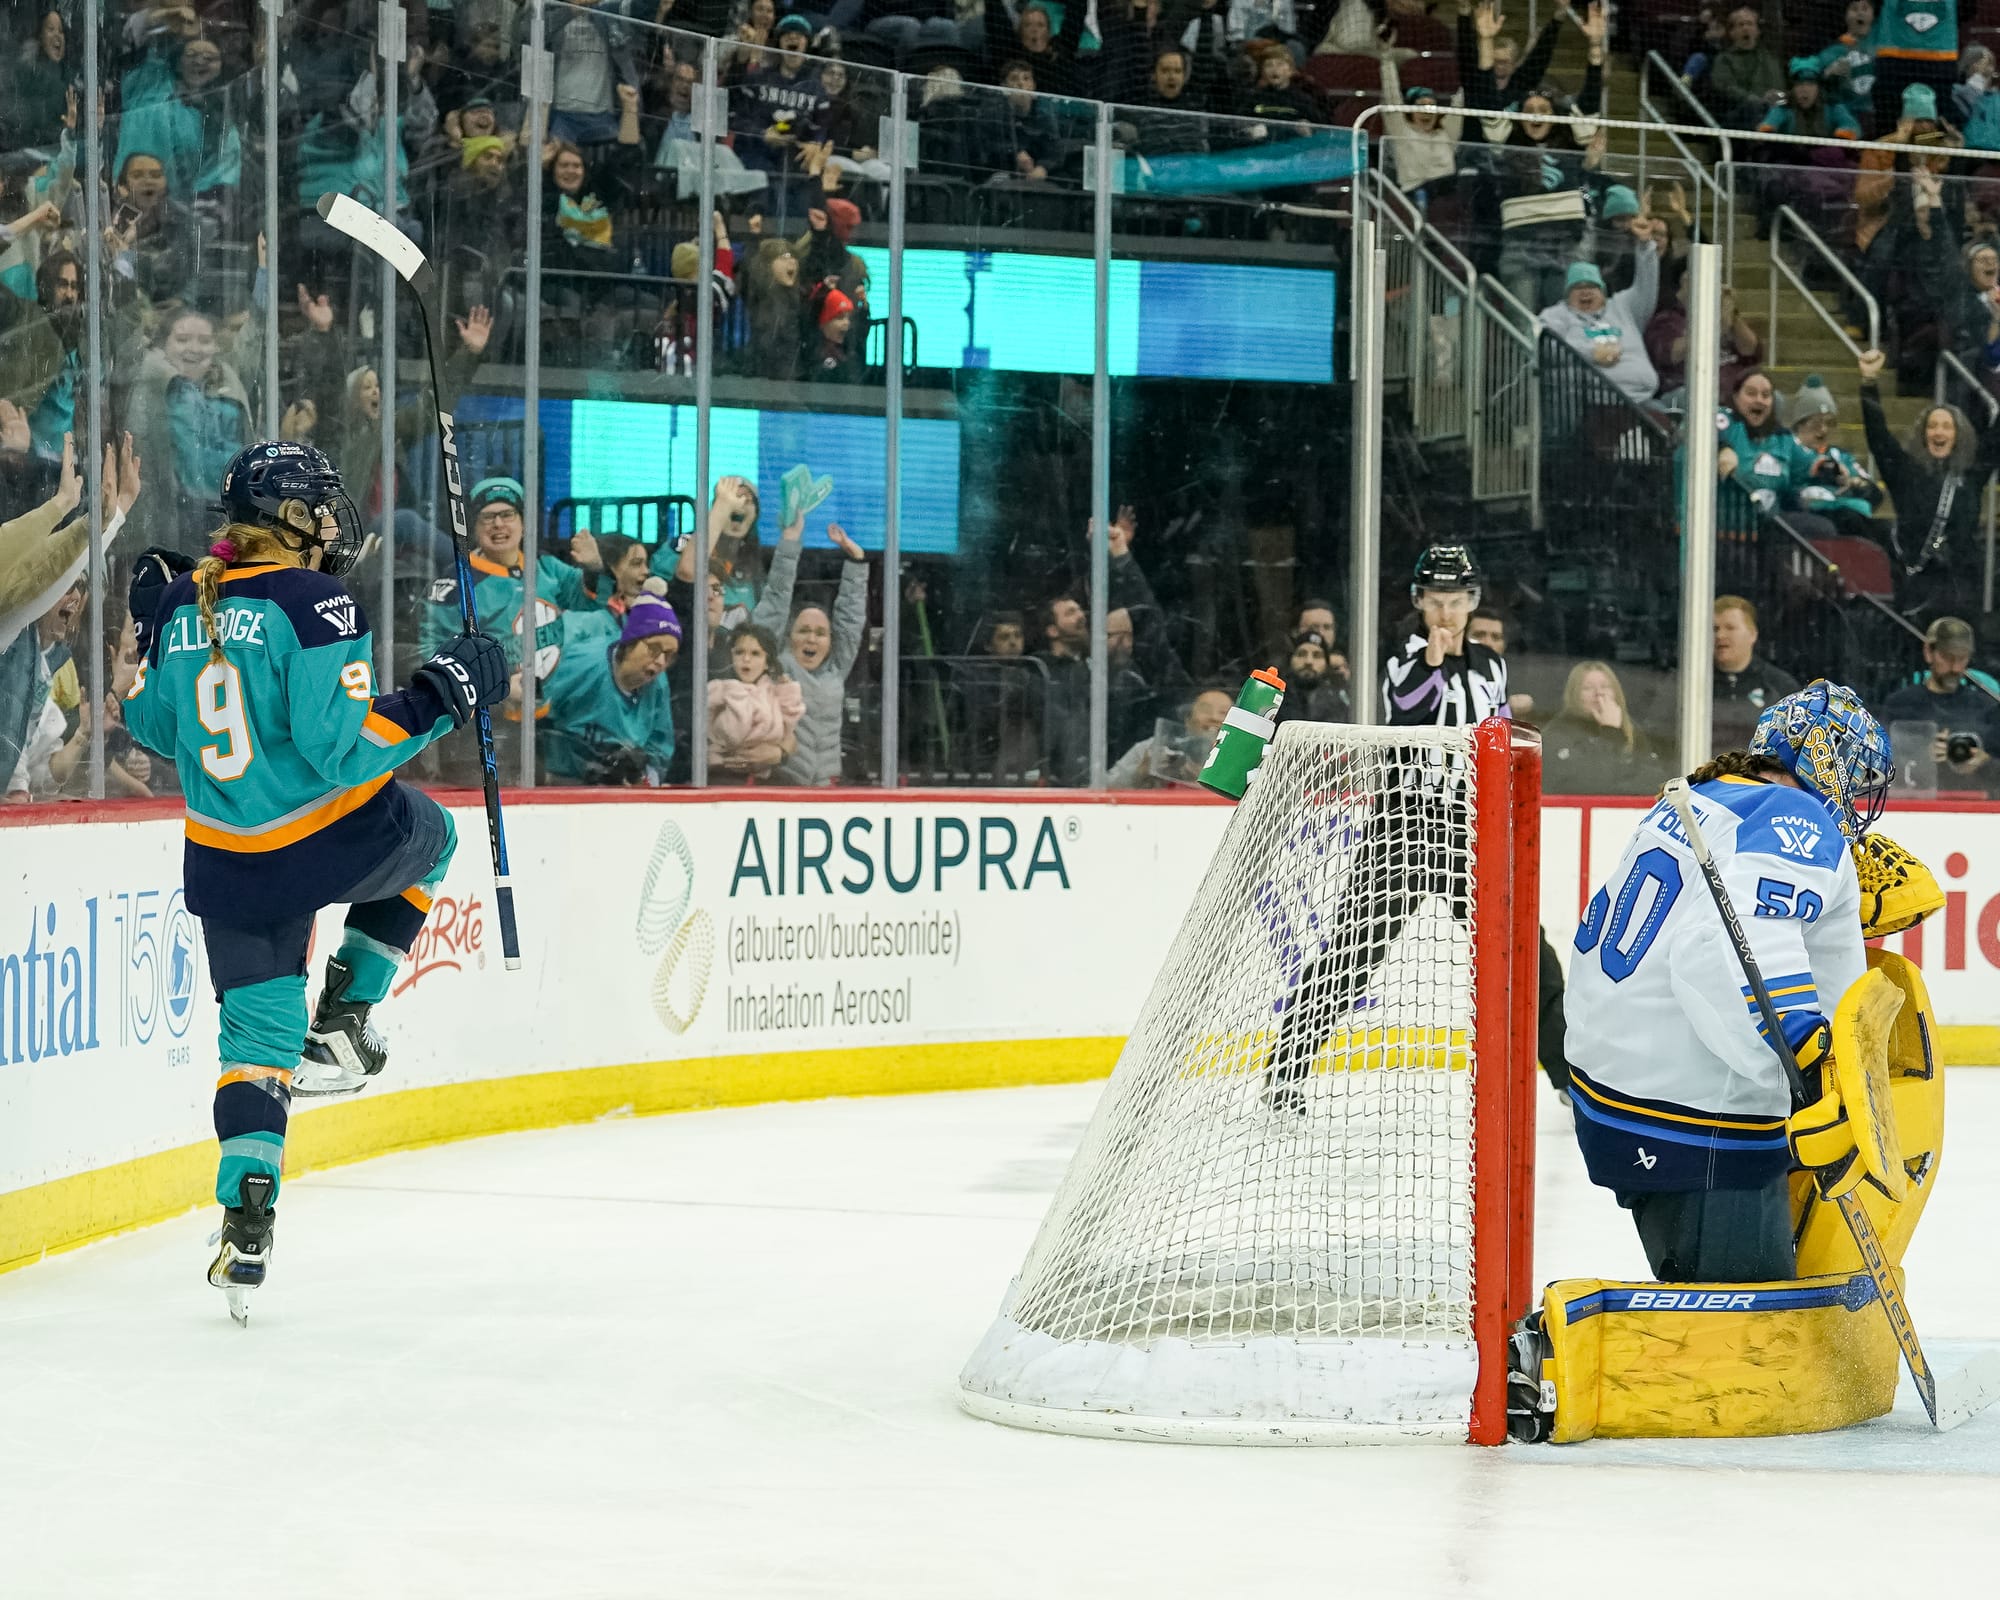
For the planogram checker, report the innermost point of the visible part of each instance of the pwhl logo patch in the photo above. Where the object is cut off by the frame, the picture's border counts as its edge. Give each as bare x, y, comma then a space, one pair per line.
340, 614
1796, 836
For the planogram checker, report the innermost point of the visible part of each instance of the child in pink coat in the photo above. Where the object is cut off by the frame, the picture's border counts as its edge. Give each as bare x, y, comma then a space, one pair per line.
753, 715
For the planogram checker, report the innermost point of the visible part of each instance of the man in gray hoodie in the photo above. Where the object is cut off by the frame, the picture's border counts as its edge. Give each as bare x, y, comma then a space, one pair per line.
818, 653
1609, 330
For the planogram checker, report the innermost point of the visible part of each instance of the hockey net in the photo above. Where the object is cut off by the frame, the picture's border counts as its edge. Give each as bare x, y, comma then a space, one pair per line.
1300, 1211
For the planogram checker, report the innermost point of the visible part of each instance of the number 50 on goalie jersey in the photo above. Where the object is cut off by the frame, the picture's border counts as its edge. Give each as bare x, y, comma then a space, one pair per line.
1675, 1085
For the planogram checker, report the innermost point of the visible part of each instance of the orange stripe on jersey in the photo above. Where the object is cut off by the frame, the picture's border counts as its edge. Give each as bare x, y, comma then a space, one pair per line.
385, 730
255, 1075
298, 828
1916, 55
233, 573
418, 898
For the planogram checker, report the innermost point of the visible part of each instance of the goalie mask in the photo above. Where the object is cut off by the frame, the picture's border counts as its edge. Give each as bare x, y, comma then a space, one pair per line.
295, 490
1833, 746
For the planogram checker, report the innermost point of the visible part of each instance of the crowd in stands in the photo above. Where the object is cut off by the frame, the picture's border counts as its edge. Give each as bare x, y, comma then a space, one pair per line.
999, 96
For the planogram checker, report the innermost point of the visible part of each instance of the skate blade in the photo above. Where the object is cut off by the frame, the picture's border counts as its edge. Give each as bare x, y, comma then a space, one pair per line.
238, 1296
329, 1091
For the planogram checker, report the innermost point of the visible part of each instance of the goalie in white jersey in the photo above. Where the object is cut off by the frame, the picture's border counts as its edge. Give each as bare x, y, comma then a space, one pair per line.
1681, 1105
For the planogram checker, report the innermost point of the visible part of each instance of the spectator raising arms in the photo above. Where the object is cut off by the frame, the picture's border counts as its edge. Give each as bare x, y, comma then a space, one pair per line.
610, 708
818, 652
1538, 174
1592, 746
1847, 66
190, 415
496, 507
1667, 339
1937, 480
1611, 332
754, 713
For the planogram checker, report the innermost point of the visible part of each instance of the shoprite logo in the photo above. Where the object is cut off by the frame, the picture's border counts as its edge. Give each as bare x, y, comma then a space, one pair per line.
453, 938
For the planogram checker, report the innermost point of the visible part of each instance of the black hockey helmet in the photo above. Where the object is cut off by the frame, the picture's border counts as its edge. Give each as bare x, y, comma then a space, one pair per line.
265, 479
1446, 566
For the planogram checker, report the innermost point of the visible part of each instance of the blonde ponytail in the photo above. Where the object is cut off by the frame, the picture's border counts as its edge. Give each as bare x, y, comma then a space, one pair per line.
239, 541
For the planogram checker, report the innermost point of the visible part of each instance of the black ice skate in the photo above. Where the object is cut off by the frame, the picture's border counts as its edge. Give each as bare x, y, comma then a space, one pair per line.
342, 1050
246, 1246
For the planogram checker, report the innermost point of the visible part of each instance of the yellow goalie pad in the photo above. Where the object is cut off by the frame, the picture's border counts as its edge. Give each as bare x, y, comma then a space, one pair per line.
1716, 1360
1883, 1041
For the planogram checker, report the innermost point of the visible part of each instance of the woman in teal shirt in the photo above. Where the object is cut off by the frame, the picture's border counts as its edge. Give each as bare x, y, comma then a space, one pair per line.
611, 718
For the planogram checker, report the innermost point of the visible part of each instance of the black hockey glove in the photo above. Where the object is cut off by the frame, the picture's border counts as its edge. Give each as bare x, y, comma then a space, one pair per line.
156, 568
469, 672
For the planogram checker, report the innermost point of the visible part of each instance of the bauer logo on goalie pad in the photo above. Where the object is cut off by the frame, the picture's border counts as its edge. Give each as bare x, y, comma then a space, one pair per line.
1851, 1293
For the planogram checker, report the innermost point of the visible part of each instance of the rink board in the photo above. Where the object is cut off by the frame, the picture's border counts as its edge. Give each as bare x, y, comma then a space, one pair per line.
681, 952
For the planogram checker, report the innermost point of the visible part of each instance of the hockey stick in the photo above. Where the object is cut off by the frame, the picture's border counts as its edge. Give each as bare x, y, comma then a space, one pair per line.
1852, 1212
380, 237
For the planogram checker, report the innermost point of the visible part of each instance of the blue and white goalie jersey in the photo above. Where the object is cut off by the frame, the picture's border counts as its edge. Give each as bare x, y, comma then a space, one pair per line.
1673, 1083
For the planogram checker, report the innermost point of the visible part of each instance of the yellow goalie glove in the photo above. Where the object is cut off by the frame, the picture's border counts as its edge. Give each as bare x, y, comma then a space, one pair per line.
1897, 890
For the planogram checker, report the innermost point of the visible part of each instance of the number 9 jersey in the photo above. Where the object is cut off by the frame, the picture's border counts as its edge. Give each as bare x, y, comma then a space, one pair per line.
1674, 1085
283, 748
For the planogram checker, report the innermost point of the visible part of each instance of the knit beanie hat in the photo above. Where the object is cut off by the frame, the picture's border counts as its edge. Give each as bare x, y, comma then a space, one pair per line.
507, 491
843, 217
1582, 272
1804, 69
473, 149
1920, 103
649, 615
1620, 201
834, 305
1812, 399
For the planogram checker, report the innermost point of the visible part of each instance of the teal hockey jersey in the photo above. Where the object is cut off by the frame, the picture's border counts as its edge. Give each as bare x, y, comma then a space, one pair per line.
283, 747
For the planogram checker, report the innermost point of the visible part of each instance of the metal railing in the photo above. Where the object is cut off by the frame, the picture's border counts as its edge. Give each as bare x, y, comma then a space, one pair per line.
1428, 293
1781, 219
1720, 196
1503, 379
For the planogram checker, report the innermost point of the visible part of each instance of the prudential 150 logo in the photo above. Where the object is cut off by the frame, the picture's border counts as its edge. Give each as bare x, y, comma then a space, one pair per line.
138, 952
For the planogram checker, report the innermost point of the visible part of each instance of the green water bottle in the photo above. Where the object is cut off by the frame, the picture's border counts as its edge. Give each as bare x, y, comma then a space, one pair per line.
1239, 747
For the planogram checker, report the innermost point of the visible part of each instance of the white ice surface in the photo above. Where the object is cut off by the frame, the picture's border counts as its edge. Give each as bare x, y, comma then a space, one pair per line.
714, 1355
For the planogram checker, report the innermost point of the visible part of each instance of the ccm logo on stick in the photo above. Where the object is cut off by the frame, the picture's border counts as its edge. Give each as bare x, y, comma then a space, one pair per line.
1679, 1300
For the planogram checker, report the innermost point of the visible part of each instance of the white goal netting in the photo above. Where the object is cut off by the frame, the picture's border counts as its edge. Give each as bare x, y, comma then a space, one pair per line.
1267, 1231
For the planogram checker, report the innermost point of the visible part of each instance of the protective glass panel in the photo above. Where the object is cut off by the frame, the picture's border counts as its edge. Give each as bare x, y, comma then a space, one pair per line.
999, 296
1833, 528
1536, 352
1231, 463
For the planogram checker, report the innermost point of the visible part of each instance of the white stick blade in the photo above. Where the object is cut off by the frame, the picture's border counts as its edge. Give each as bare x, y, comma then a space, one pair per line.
1963, 1394
372, 232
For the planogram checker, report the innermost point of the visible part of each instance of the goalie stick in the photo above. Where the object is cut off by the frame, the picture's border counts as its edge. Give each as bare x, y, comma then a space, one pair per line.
1979, 1384
380, 237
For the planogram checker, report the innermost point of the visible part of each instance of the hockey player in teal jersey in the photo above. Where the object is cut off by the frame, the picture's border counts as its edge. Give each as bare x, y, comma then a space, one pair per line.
255, 678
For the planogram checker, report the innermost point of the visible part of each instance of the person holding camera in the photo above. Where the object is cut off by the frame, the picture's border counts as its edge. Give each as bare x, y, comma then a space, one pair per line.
1964, 716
